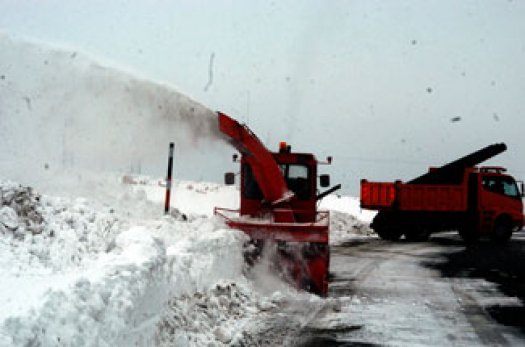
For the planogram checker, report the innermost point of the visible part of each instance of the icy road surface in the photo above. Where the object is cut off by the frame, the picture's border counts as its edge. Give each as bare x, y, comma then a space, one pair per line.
435, 293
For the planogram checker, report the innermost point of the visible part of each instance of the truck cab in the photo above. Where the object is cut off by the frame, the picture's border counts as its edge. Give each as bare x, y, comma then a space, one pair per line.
500, 200
300, 174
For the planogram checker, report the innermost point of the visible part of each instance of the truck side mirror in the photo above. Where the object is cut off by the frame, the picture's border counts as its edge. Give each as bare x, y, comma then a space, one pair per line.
229, 178
324, 180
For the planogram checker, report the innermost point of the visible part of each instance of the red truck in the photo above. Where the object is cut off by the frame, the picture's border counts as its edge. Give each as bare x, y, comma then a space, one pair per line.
278, 206
476, 201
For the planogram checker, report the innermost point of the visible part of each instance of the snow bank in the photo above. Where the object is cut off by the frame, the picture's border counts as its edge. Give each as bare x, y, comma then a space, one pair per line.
349, 205
345, 227
118, 298
51, 232
86, 276
100, 302
44, 242
347, 220
77, 272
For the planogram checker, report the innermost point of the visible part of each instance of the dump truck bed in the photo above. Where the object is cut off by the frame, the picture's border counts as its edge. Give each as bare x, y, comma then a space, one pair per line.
413, 197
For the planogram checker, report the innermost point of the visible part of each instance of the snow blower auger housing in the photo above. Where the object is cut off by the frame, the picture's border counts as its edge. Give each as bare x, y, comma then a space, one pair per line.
278, 204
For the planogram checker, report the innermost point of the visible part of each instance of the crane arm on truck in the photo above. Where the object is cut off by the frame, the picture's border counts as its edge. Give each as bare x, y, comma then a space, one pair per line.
264, 167
452, 173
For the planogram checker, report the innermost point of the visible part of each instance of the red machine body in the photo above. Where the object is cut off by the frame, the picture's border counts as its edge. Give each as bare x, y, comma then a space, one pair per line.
475, 201
279, 204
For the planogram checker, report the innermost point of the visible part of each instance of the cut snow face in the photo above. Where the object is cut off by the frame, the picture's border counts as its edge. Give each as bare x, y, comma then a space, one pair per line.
61, 110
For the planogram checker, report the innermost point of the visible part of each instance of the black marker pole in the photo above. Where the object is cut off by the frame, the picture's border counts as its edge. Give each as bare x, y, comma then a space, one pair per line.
168, 179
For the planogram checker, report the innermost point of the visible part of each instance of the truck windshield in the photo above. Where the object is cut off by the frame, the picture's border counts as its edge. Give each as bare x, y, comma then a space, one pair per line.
501, 185
297, 179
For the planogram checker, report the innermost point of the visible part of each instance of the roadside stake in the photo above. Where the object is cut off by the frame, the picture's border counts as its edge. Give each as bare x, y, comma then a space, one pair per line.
168, 179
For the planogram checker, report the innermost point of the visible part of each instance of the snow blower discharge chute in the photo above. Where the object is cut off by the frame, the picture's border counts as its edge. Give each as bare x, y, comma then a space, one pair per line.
278, 206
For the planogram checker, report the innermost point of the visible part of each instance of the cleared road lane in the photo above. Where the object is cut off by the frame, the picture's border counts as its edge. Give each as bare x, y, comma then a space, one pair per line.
435, 293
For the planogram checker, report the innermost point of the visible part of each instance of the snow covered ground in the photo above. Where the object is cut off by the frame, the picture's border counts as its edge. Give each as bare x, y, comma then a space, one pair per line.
82, 272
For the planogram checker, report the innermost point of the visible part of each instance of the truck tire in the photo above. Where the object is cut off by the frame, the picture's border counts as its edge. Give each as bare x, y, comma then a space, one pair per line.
386, 226
389, 234
417, 235
469, 235
502, 231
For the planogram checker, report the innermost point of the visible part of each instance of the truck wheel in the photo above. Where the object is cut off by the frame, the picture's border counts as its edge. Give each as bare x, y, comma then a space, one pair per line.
417, 235
468, 235
389, 234
502, 231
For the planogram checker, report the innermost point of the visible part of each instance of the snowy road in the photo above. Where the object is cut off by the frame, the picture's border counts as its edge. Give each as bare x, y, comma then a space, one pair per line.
436, 293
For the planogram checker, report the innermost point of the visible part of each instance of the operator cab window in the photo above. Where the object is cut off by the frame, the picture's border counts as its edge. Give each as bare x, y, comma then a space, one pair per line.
297, 179
501, 185
250, 187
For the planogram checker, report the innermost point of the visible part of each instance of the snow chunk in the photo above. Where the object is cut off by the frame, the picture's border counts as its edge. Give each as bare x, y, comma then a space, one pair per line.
20, 208
218, 315
9, 217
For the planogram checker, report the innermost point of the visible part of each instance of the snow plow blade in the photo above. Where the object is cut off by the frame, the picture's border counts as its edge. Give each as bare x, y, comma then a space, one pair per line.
303, 254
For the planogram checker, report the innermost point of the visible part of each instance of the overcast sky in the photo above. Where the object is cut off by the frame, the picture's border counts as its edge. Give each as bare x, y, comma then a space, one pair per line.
386, 87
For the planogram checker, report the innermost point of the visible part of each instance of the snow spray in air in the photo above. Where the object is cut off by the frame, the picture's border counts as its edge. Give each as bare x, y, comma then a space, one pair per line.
61, 110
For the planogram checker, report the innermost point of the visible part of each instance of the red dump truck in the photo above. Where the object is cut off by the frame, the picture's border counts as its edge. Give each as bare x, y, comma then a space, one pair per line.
476, 201
278, 206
